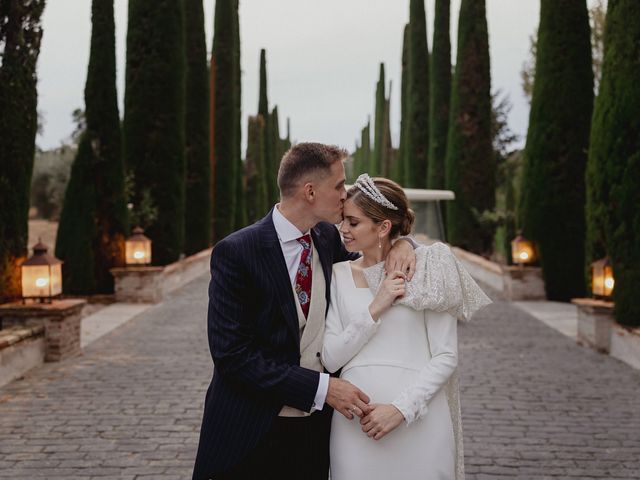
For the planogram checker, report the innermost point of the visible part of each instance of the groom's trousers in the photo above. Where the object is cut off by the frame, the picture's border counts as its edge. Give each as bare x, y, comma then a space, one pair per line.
295, 448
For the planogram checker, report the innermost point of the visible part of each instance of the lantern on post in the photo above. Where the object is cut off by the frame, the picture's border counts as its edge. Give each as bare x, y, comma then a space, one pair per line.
138, 248
522, 250
602, 281
41, 275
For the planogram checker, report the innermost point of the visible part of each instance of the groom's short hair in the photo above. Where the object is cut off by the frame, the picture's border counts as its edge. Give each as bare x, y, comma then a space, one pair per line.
307, 161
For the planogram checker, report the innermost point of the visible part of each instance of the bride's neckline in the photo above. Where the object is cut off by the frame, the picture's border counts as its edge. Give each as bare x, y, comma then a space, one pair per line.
353, 280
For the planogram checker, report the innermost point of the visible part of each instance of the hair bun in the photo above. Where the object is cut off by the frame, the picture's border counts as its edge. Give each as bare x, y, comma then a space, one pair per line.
407, 222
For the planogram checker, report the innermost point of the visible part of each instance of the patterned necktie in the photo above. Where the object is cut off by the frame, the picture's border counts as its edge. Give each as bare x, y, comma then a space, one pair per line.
303, 275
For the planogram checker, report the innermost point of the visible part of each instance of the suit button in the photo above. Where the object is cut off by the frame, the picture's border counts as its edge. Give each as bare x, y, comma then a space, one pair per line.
318, 354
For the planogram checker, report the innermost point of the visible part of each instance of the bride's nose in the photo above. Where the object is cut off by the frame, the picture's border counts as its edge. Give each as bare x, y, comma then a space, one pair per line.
342, 228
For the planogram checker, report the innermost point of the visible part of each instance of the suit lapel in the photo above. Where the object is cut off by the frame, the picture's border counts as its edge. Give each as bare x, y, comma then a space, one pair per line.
275, 267
315, 322
326, 260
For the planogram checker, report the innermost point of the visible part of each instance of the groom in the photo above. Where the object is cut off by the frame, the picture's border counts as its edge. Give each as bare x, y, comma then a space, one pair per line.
266, 413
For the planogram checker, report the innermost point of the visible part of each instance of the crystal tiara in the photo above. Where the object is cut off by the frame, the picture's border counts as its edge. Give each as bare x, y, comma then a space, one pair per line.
366, 185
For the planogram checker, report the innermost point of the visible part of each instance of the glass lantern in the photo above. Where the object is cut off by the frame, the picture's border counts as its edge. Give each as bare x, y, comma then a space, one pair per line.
602, 278
522, 251
138, 248
41, 275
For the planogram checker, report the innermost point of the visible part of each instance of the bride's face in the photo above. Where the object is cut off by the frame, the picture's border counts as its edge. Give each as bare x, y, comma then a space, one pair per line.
359, 232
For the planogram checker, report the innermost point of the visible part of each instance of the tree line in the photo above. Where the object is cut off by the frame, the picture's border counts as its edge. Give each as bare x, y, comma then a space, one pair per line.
446, 120
175, 159
574, 189
173, 164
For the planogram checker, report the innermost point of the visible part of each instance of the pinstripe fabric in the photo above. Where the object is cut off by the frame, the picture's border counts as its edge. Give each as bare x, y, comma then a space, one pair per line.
254, 341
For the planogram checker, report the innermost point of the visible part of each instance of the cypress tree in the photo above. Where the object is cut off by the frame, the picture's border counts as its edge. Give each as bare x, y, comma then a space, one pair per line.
93, 221
287, 141
77, 229
418, 142
241, 204
469, 166
257, 195
357, 164
613, 171
212, 141
263, 109
439, 95
225, 129
276, 146
154, 117
263, 101
198, 172
365, 145
553, 189
398, 172
378, 159
387, 148
20, 36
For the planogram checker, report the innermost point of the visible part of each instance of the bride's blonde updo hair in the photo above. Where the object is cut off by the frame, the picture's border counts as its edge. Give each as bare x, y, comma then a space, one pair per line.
401, 219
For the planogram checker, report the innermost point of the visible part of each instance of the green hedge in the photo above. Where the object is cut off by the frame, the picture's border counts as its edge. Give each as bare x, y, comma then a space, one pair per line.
552, 212
613, 172
77, 229
198, 171
470, 164
399, 166
21, 33
379, 157
94, 210
154, 128
439, 96
225, 131
257, 194
418, 141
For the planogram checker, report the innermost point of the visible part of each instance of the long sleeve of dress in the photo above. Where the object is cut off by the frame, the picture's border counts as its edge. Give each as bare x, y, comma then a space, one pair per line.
346, 330
443, 343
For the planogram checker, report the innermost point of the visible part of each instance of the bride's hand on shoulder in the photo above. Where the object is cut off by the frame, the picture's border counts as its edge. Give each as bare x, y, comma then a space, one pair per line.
391, 288
381, 419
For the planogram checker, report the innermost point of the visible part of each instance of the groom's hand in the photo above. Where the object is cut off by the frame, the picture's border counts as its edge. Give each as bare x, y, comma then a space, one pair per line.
346, 398
401, 257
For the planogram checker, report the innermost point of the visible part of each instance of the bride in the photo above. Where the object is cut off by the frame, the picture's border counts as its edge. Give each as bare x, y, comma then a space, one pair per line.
398, 342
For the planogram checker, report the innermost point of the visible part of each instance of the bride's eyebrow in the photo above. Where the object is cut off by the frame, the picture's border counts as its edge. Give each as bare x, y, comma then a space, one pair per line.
351, 217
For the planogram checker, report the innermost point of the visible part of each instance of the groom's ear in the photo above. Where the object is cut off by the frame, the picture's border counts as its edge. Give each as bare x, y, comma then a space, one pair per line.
309, 191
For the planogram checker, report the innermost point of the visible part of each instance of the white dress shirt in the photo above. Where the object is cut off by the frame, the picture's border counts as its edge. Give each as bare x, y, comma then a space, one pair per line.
288, 235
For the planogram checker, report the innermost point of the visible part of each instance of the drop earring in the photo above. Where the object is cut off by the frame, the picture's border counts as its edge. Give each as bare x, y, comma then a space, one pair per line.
379, 243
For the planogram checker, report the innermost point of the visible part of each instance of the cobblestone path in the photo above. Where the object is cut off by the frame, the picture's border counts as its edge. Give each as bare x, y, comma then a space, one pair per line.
534, 404
537, 406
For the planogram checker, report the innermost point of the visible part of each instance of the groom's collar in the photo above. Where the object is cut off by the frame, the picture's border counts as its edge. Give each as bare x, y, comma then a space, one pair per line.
286, 230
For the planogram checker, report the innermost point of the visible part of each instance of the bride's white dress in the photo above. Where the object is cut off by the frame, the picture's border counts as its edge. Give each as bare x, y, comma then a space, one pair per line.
405, 358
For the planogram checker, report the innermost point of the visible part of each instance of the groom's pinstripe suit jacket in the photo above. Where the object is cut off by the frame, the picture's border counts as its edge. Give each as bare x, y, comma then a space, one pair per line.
254, 341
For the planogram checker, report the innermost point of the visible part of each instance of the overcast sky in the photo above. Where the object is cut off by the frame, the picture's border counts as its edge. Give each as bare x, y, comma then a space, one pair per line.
322, 60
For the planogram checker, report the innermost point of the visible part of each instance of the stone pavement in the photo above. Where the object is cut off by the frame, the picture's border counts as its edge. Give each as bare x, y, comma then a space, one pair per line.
535, 405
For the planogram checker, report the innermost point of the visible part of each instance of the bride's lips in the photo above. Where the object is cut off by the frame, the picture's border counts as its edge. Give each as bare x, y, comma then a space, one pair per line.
347, 240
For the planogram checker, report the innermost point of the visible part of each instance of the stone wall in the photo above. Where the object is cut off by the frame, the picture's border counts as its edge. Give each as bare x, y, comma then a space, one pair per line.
21, 349
515, 282
60, 321
152, 284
